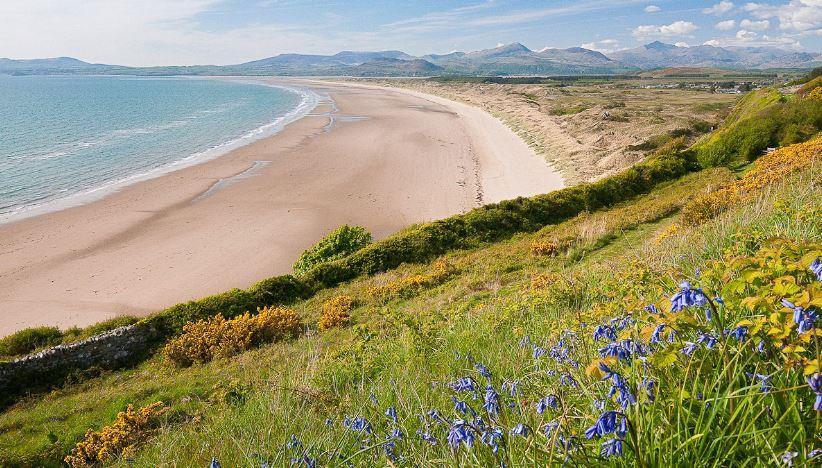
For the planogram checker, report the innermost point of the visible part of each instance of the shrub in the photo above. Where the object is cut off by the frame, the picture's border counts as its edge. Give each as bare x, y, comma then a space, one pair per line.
766, 171
336, 312
131, 428
29, 339
205, 340
544, 247
340, 243
410, 285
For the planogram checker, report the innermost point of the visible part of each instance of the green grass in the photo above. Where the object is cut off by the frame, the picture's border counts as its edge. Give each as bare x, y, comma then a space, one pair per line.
400, 345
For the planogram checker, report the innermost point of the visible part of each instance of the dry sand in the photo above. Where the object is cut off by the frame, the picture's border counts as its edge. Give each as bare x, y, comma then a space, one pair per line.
390, 158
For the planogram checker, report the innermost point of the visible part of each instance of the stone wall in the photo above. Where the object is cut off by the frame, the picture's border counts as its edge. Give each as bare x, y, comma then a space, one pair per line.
48, 368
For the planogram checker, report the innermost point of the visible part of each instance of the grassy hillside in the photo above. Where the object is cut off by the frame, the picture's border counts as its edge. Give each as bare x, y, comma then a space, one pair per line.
523, 310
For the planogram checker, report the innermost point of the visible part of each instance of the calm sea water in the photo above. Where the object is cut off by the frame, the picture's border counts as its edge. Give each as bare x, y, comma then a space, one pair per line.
64, 140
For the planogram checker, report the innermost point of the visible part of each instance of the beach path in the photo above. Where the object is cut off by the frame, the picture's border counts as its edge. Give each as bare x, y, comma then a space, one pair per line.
380, 158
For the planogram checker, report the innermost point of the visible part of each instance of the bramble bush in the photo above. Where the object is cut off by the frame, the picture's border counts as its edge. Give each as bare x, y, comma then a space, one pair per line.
131, 428
344, 241
205, 340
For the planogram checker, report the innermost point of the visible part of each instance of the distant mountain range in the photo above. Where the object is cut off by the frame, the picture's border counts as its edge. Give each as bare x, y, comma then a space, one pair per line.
510, 59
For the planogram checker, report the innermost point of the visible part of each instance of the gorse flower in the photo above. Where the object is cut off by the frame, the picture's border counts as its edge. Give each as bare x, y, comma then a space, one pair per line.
687, 297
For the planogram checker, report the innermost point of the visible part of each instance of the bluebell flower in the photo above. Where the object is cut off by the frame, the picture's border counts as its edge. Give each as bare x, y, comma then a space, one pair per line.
687, 297
606, 332
483, 371
524, 342
460, 433
396, 433
606, 370
373, 399
619, 323
550, 428
609, 422
761, 347
719, 300
619, 388
493, 438
656, 335
816, 268
814, 453
649, 385
815, 382
539, 352
461, 406
739, 333
293, 442
707, 339
567, 380
621, 350
599, 404
787, 458
435, 415
689, 348
214, 463
329, 422
521, 430
465, 384
651, 309
391, 412
427, 437
612, 447
491, 400
303, 460
511, 387
358, 424
548, 402
764, 381
802, 317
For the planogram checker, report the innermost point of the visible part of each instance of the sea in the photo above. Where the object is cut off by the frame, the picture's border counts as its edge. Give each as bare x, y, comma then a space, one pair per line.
66, 140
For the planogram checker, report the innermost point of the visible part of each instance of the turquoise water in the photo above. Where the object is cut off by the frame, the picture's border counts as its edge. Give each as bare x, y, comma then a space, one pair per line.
68, 139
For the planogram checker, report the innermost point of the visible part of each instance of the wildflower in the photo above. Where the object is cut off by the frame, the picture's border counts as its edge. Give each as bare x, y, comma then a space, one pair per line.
765, 381
707, 339
815, 382
619, 323
460, 433
816, 268
606, 332
303, 460
621, 350
511, 387
599, 404
391, 412
293, 442
651, 309
493, 438
461, 406
427, 437
689, 348
524, 342
567, 380
214, 463
655, 336
545, 403
358, 424
687, 297
329, 422
649, 386
804, 318
623, 394
609, 422
550, 428
814, 453
611, 447
465, 384
491, 400
787, 458
483, 371
761, 347
739, 333
435, 415
521, 430
539, 352
373, 399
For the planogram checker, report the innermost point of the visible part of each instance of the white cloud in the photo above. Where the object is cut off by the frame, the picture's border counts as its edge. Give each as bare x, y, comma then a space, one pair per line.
755, 25
746, 36
803, 16
677, 28
750, 39
604, 46
726, 25
652, 9
720, 8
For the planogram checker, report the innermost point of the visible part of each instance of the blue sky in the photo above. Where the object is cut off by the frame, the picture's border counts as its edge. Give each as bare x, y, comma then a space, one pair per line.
163, 32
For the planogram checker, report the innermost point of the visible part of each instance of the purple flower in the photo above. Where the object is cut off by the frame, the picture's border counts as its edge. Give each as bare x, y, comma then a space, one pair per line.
656, 335
707, 339
548, 402
740, 333
511, 387
689, 348
649, 386
461, 406
460, 433
804, 318
521, 430
550, 428
427, 437
358, 424
391, 412
491, 400
816, 268
651, 309
815, 382
687, 297
611, 447
609, 422
567, 380
493, 438
465, 384
214, 463
483, 371
764, 381
539, 352
605, 332
787, 458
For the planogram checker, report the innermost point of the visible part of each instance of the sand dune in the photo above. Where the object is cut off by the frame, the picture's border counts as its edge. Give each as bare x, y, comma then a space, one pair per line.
379, 158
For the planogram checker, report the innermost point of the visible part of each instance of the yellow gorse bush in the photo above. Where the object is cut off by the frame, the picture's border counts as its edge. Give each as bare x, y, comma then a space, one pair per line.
205, 340
131, 428
336, 312
442, 270
544, 247
767, 170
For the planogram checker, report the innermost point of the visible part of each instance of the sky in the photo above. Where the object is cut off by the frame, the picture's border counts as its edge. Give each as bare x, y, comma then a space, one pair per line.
219, 32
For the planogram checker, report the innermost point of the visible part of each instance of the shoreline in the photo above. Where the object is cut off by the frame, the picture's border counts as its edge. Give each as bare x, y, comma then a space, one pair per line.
307, 104
383, 159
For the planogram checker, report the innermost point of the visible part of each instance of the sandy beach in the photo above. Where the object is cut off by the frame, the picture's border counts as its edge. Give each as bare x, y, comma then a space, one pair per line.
374, 157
